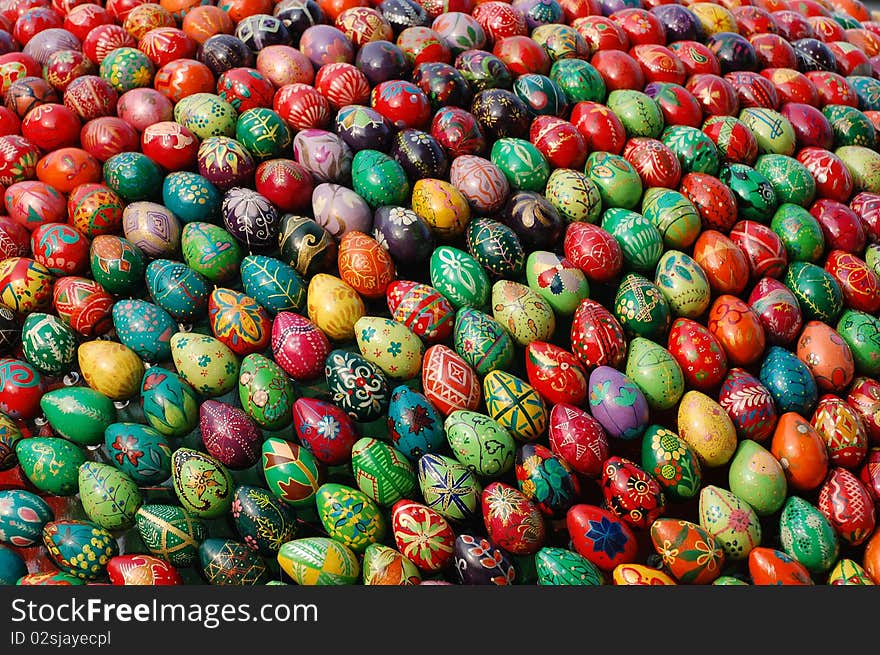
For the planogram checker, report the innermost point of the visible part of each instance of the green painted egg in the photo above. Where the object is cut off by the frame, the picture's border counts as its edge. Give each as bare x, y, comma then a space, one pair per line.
729, 581
756, 477
390, 345
263, 132
51, 464
773, 133
861, 332
872, 257
806, 535
558, 566
139, 451
674, 216
579, 80
480, 443
523, 313
496, 247
81, 548
117, 264
266, 393
386, 566
205, 363
22, 517
816, 290
555, 279
459, 277
574, 196
730, 520
683, 283
48, 343
379, 179
292, 473
481, 341
9, 436
449, 487
262, 521
790, 179
210, 251
169, 403
381, 471
319, 561
191, 197
864, 166
79, 414
228, 562
134, 176
12, 566
696, 152
640, 241
672, 462
641, 308
799, 232
170, 533
109, 497
639, 113
522, 164
277, 286
350, 516
850, 126
755, 198
202, 484
655, 372
178, 289
205, 115
618, 183
515, 405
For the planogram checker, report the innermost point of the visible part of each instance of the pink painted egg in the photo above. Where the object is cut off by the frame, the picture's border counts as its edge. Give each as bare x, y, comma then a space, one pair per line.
298, 346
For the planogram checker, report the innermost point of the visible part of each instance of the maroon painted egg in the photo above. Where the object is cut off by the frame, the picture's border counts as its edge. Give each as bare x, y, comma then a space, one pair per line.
601, 537
14, 238
596, 336
870, 473
84, 305
763, 249
777, 309
298, 346
239, 321
559, 141
698, 352
139, 569
848, 506
654, 161
512, 521
864, 398
860, 285
832, 177
841, 227
737, 329
229, 434
811, 128
578, 438
631, 493
749, 405
594, 251
555, 373
866, 205
21, 387
422, 309
325, 430
841, 430
61, 248
827, 356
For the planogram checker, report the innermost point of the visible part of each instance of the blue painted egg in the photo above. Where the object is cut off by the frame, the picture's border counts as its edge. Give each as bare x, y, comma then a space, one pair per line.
414, 425
356, 385
789, 381
81, 548
145, 328
178, 289
169, 403
191, 197
22, 517
12, 566
277, 286
617, 403
139, 451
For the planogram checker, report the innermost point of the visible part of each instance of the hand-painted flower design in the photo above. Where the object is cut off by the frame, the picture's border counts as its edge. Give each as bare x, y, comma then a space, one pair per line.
127, 448
607, 537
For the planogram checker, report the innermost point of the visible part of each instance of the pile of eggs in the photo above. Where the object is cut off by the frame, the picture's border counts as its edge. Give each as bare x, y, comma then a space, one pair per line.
448, 291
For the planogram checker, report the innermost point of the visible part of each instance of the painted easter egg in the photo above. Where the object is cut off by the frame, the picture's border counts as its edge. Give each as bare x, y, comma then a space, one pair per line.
305, 245
496, 247
691, 553
391, 346
202, 484
422, 535
768, 566
617, 403
152, 228
749, 405
730, 520
207, 364
265, 392
777, 309
546, 479
673, 215
229, 434
210, 251
478, 562
557, 566
683, 283
848, 572
169, 403
334, 306
738, 330
356, 385
801, 451
601, 537
672, 462
858, 283
480, 443
707, 428
228, 562
594, 250
298, 346
555, 373
512, 520
350, 516
515, 405
178, 289
277, 286
25, 285
170, 533
480, 181
723, 262
422, 309
386, 566
448, 382
81, 548
827, 356
789, 381
641, 307
806, 535
524, 314
141, 570
21, 387
414, 426
631, 493
48, 343
382, 472
459, 277
864, 398
238, 321
403, 234
842, 431
557, 280
596, 336
324, 429
655, 372
145, 328
79, 414
109, 497
757, 477
319, 561
640, 242
292, 473
83, 305
442, 206
848, 507
861, 332
448, 487
22, 517
365, 265
481, 341
578, 438
800, 233
816, 290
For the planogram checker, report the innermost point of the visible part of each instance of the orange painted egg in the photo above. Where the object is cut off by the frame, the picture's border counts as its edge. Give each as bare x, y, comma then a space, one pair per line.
801, 451
723, 261
84, 305
841, 429
365, 265
827, 356
737, 329
238, 321
67, 168
769, 566
691, 553
25, 285
871, 561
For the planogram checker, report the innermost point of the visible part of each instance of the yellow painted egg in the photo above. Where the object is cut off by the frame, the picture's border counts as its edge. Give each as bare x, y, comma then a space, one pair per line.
443, 207
111, 368
334, 306
707, 428
25, 285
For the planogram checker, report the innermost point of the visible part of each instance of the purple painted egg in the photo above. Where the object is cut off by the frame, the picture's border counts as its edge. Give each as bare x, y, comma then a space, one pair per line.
478, 562
325, 430
225, 163
152, 228
298, 346
481, 182
404, 234
324, 154
229, 434
250, 218
749, 405
617, 403
338, 210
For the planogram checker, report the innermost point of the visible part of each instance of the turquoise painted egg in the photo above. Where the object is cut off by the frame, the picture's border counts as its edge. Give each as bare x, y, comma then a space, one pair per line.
145, 328
382, 472
202, 484
807, 536
51, 464
496, 247
546, 479
390, 345
319, 561
617, 403
684, 284
228, 562
523, 313
731, 520
81, 548
449, 488
292, 472
205, 363
238, 321
191, 197
266, 393
22, 517
356, 385
459, 277
48, 343
414, 426
618, 182
79, 414
169, 403
262, 521
640, 241
178, 289
557, 280
515, 405
674, 216
789, 381
558, 566
481, 341
139, 451
672, 462
480, 443
350, 516
109, 497
641, 307
574, 196
277, 286
171, 533
117, 264
655, 372
210, 251
12, 566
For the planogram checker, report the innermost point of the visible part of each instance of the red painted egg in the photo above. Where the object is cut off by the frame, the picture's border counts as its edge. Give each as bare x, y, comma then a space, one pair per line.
18, 159
51, 126
84, 305
61, 248
689, 551
870, 473
422, 309
723, 262
848, 506
512, 521
715, 94
833, 89
864, 398
773, 51
599, 536
301, 106
867, 207
365, 265
777, 309
841, 429
601, 33
737, 329
422, 535
402, 103
860, 285
286, 184
14, 238
763, 249
618, 70
229, 434
751, 20
343, 84
654, 161
841, 227
801, 451
832, 177
600, 127
811, 128
640, 26
33, 203
67, 168
696, 58
631, 493
713, 200
522, 55
827, 356
171, 145
21, 388
555, 373
679, 106
698, 352
448, 382
106, 136
768, 566
578, 438
559, 141
597, 336
139, 569
594, 251
735, 141
659, 63
749, 405
752, 90
325, 430
792, 86
298, 346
